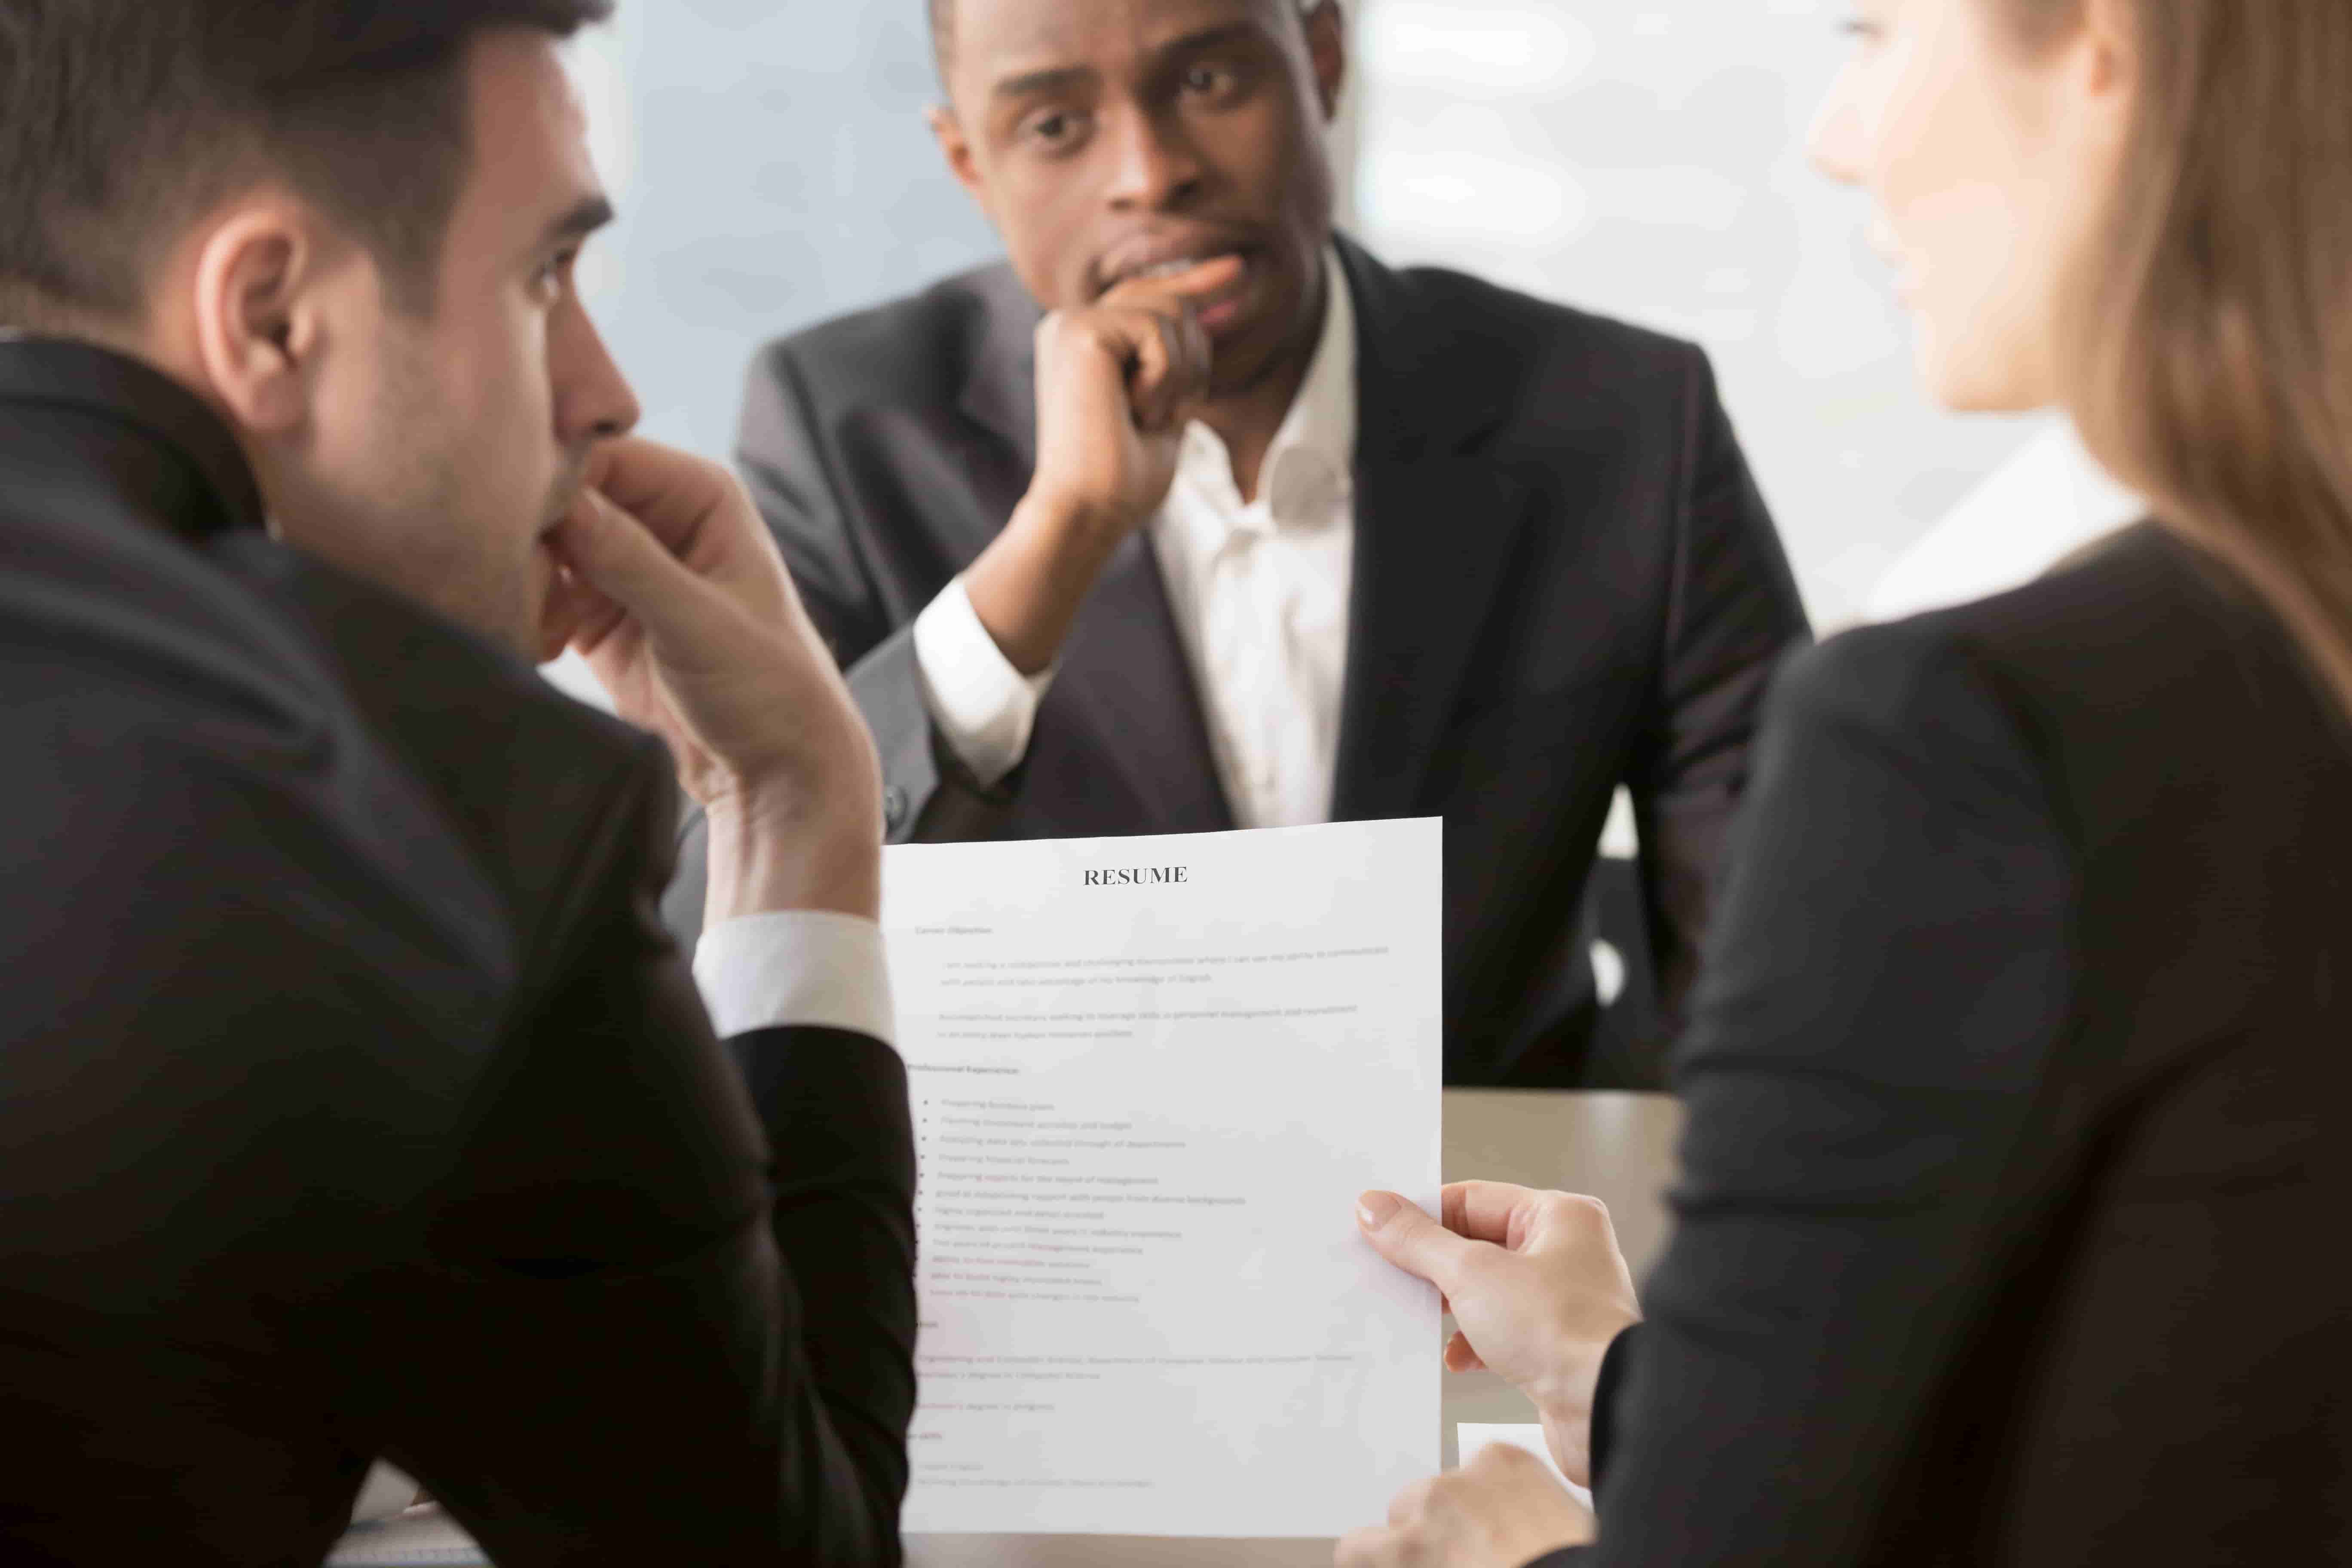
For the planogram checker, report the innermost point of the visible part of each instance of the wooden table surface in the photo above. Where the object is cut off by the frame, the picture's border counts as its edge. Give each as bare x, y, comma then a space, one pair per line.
1617, 1147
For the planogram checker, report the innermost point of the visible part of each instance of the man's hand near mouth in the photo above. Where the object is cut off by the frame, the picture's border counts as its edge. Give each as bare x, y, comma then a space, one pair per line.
1117, 383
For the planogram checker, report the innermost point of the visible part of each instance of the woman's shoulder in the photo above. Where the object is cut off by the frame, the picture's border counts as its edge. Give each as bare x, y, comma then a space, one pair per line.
2122, 620
2135, 661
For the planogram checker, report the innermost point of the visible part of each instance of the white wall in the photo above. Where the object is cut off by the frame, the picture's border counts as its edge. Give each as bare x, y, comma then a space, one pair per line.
773, 169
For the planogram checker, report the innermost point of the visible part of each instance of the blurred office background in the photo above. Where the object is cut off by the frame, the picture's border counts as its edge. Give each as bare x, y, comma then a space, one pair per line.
1642, 158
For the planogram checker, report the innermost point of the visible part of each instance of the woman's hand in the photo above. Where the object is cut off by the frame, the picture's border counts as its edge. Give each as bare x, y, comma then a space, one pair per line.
1503, 1511
1537, 1285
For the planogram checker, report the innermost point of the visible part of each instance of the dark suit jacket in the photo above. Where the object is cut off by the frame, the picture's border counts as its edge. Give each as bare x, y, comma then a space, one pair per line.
355, 1101
1565, 579
2017, 1166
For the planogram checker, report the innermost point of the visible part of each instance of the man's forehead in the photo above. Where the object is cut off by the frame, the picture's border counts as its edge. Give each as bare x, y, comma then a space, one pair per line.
1011, 32
530, 130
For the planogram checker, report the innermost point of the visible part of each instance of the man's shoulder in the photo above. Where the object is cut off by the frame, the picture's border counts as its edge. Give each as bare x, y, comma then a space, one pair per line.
917, 349
1446, 309
1532, 324
1554, 367
524, 773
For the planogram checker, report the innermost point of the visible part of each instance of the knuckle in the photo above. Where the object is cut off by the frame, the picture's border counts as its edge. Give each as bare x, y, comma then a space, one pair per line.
1576, 1208
1412, 1504
1503, 1461
1483, 1269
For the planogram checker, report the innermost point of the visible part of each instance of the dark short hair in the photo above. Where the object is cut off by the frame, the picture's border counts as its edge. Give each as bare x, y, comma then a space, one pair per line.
122, 121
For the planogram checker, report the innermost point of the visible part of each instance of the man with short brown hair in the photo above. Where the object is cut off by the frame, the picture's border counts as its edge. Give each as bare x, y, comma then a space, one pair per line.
355, 1101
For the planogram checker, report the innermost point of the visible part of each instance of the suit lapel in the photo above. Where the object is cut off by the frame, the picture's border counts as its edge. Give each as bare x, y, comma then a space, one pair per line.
999, 389
1125, 679
1129, 683
1436, 529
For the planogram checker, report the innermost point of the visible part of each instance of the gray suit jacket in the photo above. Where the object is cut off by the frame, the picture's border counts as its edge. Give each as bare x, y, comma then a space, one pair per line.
1565, 580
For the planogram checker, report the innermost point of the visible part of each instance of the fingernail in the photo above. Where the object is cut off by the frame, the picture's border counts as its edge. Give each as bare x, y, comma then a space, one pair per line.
1374, 1210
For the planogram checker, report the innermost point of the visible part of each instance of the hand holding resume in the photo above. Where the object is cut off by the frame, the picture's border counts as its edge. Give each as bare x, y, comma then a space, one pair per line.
1150, 1075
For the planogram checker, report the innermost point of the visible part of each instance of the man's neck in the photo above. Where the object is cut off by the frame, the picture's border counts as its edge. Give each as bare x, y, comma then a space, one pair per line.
1249, 419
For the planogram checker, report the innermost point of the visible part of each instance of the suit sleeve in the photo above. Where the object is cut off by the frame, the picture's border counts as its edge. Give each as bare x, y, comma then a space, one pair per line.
927, 793
668, 1312
1888, 980
1732, 610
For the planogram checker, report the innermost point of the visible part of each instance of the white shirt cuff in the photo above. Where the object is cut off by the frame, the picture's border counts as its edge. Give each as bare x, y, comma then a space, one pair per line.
807, 967
985, 707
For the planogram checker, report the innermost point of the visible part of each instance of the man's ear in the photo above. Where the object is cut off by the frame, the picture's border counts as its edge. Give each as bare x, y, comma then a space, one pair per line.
956, 148
1326, 47
260, 314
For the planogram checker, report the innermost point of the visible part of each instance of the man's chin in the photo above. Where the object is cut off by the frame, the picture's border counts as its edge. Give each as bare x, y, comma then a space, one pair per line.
1262, 345
1244, 367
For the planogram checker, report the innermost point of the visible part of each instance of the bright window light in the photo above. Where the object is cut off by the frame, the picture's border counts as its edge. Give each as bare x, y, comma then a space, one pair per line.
1471, 45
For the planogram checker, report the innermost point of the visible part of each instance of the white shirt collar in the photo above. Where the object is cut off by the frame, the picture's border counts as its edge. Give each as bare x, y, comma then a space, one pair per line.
1310, 467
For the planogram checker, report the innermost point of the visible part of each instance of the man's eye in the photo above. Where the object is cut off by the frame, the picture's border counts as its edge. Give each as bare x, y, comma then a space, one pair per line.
1053, 129
555, 271
1208, 81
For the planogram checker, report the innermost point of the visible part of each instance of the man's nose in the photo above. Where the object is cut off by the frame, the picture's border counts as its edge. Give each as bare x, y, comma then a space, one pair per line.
593, 401
1157, 166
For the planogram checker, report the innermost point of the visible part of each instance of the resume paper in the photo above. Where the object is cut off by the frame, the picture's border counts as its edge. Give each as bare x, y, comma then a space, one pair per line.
1151, 1077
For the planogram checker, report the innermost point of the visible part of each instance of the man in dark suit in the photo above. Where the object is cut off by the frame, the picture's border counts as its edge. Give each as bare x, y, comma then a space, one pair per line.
355, 1100
1195, 516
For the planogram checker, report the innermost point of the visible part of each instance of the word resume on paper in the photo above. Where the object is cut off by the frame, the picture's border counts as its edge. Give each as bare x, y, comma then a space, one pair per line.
1150, 1077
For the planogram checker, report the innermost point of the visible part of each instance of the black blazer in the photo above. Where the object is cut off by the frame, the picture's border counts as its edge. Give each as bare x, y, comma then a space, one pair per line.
2021, 1107
355, 1100
1565, 579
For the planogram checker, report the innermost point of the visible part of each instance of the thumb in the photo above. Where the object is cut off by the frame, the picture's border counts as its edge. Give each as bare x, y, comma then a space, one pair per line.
614, 554
1410, 1239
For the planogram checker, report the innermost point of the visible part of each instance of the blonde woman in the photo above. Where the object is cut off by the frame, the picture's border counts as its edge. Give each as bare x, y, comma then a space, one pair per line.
2019, 1152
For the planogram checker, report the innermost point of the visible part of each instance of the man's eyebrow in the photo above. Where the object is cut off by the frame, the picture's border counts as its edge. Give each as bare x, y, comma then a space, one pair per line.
1209, 39
1042, 81
1031, 83
585, 217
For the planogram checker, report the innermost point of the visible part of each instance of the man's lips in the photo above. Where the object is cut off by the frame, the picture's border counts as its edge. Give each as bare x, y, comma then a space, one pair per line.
1163, 260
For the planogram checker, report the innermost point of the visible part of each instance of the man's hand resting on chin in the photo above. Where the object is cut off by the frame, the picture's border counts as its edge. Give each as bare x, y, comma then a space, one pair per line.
675, 594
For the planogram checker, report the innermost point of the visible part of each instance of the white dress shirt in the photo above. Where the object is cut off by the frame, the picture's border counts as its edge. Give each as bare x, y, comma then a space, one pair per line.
1259, 591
